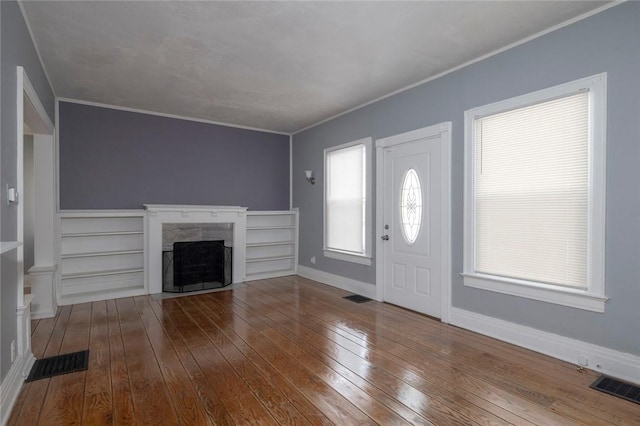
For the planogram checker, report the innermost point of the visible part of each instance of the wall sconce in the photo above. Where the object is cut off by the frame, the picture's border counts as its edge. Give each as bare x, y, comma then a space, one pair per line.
309, 175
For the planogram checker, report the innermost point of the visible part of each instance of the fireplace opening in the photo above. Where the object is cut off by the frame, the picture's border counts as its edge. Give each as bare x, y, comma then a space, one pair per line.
196, 265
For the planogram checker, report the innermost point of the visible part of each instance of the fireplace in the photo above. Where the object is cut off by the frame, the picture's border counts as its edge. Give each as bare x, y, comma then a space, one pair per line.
196, 265
158, 216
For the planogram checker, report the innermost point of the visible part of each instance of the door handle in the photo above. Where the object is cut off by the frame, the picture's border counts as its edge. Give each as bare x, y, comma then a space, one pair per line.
385, 238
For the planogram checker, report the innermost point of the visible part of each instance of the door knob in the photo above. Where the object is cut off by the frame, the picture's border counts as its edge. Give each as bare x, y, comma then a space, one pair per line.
385, 237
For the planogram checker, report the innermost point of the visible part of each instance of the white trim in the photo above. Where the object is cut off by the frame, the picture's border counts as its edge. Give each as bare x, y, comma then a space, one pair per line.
166, 115
593, 297
56, 153
471, 62
74, 299
347, 284
21, 92
30, 92
600, 359
6, 246
104, 213
32, 113
12, 384
575, 298
444, 131
348, 257
43, 289
267, 275
335, 253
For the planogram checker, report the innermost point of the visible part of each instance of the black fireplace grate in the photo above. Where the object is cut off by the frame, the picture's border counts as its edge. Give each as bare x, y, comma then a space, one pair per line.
59, 364
196, 265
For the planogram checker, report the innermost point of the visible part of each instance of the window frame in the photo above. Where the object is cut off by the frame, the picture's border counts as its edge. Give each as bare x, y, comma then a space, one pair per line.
593, 297
366, 256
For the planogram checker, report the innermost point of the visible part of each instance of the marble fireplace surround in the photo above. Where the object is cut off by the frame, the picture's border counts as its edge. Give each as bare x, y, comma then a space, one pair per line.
161, 214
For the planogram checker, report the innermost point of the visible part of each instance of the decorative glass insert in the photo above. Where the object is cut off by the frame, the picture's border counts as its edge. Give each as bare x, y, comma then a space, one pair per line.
411, 205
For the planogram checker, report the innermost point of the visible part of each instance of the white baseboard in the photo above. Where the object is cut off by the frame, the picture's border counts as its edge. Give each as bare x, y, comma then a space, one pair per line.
347, 284
12, 384
602, 360
266, 275
42, 315
101, 295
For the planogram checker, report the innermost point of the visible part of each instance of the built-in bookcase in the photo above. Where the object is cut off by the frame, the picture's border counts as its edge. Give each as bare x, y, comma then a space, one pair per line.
272, 244
101, 255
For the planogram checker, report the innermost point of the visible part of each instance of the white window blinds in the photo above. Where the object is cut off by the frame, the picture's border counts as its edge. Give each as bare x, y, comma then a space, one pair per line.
345, 200
531, 192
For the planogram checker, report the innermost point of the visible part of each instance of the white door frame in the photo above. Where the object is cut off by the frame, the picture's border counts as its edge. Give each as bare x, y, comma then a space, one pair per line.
30, 111
445, 246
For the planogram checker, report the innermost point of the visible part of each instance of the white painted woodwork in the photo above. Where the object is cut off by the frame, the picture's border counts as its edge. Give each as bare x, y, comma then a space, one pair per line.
42, 281
101, 255
116, 253
6, 246
24, 327
272, 244
415, 275
33, 116
159, 214
411, 270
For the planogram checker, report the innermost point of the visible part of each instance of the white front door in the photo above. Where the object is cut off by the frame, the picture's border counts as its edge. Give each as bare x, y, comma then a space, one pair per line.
412, 220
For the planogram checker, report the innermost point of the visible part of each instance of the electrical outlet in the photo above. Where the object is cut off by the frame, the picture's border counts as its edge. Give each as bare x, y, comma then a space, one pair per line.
13, 350
583, 361
313, 260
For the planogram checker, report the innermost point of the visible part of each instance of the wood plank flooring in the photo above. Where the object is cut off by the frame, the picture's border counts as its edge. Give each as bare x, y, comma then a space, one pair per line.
292, 351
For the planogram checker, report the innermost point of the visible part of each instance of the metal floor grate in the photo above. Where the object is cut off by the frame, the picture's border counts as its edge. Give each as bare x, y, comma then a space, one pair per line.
59, 364
617, 388
357, 298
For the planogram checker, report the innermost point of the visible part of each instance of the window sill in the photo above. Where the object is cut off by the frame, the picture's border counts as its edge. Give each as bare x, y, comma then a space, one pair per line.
574, 298
363, 260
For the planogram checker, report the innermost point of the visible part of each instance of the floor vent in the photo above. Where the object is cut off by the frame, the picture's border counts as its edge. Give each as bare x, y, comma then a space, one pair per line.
617, 388
357, 298
59, 364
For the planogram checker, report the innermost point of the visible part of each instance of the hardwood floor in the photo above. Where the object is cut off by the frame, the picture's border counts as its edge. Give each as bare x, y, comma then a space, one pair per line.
292, 351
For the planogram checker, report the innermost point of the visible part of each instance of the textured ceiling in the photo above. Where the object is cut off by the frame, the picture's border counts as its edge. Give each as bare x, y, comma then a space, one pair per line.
280, 66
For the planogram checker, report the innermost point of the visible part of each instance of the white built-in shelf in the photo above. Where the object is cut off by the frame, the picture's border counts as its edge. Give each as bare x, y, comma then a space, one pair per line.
272, 244
102, 273
6, 246
101, 254
269, 258
266, 228
276, 243
101, 234
270, 274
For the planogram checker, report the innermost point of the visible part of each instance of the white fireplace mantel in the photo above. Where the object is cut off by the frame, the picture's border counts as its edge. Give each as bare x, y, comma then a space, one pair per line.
159, 214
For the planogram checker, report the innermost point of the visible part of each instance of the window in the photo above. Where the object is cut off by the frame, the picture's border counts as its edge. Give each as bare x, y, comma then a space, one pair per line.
411, 206
347, 206
534, 195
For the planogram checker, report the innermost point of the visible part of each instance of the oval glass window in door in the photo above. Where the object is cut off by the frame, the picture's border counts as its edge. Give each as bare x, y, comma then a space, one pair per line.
411, 205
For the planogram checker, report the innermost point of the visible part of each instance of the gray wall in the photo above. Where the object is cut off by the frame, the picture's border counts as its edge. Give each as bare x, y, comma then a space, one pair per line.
113, 159
16, 48
28, 199
604, 42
